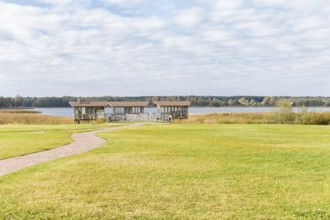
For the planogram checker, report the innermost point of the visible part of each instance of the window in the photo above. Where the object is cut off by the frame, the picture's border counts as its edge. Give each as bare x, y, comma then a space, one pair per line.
119, 110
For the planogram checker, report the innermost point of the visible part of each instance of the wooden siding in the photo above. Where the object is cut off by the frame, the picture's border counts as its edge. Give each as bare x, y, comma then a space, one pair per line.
89, 113
174, 110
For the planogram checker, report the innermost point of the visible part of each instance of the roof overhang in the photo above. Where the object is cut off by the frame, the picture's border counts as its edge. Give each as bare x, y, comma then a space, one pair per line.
128, 104
88, 104
172, 103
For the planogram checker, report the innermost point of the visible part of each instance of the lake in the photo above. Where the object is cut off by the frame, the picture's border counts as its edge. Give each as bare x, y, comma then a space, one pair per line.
192, 110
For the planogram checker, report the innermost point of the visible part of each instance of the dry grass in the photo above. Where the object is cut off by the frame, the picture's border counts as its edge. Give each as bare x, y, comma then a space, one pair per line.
32, 119
227, 118
18, 111
305, 118
314, 118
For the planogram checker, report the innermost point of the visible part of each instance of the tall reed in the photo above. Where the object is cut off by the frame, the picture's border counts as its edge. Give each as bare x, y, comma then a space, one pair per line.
278, 117
32, 119
226, 118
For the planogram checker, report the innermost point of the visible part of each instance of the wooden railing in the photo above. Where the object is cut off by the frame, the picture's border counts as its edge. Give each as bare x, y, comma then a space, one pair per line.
88, 117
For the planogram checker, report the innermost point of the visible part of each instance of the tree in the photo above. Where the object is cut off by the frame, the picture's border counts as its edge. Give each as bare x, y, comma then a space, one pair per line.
215, 102
2, 102
272, 101
265, 101
243, 101
252, 102
232, 102
18, 101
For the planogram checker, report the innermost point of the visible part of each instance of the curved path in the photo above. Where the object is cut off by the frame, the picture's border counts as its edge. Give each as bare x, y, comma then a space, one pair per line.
82, 142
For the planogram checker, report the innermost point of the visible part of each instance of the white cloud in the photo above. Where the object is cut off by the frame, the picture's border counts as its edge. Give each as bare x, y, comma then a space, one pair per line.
189, 17
220, 47
149, 23
125, 3
58, 2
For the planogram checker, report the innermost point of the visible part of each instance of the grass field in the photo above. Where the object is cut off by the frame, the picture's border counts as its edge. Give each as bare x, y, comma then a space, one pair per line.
182, 171
18, 140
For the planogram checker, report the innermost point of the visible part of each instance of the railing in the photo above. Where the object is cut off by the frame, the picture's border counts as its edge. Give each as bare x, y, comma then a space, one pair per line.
174, 114
88, 117
141, 117
116, 117
132, 117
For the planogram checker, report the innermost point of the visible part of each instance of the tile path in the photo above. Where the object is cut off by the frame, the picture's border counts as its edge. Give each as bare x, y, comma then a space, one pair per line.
82, 142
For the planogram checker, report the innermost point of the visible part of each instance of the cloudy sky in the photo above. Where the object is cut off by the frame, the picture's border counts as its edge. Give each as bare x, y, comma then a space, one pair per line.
164, 47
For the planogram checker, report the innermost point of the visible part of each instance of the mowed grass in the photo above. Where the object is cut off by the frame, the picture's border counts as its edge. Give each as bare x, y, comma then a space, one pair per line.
182, 172
18, 140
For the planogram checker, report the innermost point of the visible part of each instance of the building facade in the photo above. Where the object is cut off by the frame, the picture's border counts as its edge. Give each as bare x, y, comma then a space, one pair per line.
88, 110
167, 110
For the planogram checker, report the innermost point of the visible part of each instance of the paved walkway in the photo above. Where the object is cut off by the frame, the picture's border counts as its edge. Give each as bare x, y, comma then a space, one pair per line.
82, 142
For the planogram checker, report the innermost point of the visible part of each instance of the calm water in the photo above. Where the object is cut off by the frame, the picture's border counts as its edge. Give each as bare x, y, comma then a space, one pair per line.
192, 110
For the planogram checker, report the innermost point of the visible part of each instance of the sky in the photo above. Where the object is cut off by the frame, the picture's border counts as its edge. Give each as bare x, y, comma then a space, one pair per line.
164, 47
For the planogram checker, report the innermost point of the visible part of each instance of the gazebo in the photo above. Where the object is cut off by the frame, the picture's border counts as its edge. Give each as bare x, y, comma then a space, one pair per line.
172, 109
120, 110
88, 110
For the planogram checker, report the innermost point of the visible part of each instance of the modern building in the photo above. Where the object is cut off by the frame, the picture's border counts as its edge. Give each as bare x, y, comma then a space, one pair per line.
88, 110
167, 110
127, 110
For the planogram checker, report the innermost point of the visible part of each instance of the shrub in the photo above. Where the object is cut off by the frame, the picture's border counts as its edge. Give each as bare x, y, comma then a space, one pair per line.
313, 118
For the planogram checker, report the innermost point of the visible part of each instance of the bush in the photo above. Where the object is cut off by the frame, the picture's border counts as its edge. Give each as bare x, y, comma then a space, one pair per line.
313, 118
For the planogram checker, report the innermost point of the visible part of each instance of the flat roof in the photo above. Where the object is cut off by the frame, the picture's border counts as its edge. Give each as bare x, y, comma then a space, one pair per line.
88, 104
128, 104
172, 103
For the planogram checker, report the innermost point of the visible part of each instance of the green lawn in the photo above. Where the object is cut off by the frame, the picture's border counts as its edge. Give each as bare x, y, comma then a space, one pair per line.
182, 172
18, 140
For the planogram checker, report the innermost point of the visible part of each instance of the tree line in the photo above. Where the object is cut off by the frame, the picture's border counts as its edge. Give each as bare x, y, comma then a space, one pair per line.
202, 101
